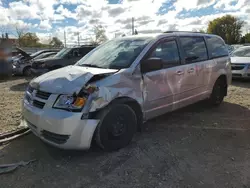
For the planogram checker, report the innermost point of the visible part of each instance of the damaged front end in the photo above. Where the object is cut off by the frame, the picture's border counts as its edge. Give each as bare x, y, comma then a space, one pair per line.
102, 89
84, 99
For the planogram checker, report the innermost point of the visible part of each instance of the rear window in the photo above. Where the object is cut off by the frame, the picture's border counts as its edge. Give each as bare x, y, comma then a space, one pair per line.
217, 47
194, 49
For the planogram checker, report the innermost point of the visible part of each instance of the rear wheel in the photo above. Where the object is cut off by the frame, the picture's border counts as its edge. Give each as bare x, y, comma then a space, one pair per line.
218, 93
118, 124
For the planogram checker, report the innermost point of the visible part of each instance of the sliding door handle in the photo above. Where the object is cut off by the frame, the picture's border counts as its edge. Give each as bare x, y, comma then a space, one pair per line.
191, 70
179, 72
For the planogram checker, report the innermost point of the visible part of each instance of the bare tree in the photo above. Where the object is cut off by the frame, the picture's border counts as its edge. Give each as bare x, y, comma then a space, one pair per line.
20, 33
99, 35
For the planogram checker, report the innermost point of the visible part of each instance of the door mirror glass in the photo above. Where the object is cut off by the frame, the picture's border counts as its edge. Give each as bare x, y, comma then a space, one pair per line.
151, 64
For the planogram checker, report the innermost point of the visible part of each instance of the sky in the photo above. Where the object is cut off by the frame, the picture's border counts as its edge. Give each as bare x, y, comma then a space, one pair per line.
49, 18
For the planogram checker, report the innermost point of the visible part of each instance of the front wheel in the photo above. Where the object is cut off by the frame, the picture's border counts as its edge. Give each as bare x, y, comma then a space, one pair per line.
27, 71
218, 93
116, 128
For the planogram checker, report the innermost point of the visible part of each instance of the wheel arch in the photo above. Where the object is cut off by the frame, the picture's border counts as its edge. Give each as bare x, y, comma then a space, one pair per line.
26, 67
132, 103
223, 78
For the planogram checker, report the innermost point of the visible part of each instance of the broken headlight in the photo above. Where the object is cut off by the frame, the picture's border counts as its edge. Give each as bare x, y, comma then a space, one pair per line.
70, 103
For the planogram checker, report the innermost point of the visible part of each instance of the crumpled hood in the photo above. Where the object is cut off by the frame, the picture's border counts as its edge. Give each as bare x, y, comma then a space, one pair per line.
67, 80
23, 52
235, 60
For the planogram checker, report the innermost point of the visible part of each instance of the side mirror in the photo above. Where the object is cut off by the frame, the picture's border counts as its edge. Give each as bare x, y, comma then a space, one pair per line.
151, 64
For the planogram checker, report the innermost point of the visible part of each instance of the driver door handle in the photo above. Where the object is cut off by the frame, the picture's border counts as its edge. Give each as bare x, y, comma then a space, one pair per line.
191, 70
179, 72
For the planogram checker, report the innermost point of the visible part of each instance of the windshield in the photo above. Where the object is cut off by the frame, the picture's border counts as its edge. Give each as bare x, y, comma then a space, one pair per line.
63, 52
242, 52
42, 55
115, 54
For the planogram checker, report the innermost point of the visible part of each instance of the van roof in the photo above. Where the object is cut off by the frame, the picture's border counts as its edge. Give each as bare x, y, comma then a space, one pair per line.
170, 33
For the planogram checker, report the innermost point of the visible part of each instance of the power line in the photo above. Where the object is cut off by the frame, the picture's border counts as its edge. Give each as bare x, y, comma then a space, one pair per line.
133, 26
65, 39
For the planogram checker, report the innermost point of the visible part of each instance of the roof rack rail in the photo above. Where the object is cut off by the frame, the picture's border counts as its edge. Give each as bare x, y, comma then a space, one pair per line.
182, 32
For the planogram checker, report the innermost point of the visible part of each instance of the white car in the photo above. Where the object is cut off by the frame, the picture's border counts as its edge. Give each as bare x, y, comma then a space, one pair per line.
108, 94
240, 62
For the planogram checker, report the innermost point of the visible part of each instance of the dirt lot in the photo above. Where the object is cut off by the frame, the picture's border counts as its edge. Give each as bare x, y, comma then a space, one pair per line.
193, 147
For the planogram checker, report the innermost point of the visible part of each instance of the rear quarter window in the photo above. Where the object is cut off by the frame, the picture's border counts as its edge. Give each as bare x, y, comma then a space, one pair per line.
217, 47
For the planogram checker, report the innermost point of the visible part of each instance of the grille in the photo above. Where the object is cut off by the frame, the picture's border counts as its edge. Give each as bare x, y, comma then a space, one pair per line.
42, 94
56, 138
238, 66
39, 94
237, 75
30, 89
38, 104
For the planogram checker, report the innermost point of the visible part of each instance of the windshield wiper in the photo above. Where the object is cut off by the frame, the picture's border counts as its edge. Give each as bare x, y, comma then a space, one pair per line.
90, 65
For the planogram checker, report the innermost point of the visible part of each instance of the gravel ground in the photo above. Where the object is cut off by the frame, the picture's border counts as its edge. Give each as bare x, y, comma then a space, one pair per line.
193, 147
11, 93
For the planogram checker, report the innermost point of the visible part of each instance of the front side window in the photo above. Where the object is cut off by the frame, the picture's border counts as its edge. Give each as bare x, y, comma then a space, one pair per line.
167, 51
217, 47
194, 49
62, 53
115, 54
85, 50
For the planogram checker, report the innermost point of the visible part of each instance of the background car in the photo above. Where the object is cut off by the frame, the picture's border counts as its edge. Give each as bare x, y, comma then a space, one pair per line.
67, 56
240, 62
21, 64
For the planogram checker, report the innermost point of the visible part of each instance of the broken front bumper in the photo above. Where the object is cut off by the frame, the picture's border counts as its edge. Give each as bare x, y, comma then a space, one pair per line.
59, 128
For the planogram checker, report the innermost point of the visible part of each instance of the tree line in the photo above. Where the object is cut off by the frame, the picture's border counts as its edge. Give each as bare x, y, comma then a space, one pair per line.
25, 38
229, 28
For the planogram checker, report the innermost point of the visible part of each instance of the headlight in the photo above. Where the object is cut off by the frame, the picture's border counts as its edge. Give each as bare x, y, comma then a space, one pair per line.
69, 102
16, 65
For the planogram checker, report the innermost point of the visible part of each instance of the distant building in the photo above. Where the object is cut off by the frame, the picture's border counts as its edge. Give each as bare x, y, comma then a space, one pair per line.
12, 41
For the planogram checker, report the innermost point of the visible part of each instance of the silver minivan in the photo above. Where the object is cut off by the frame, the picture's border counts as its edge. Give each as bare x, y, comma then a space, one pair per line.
108, 94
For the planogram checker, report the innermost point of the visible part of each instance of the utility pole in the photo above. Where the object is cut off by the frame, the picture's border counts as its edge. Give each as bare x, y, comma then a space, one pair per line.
65, 39
78, 38
133, 26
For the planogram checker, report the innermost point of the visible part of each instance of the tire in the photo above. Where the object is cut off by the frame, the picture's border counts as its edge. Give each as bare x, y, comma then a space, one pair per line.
118, 124
27, 71
218, 93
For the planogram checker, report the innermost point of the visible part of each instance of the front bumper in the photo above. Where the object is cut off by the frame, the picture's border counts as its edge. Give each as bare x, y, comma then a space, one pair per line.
38, 72
59, 128
244, 73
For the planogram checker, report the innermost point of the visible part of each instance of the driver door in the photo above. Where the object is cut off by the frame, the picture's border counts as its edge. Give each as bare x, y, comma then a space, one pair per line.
161, 87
